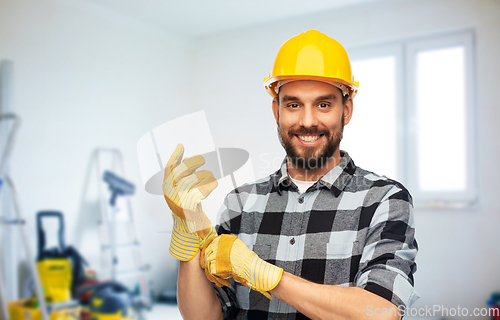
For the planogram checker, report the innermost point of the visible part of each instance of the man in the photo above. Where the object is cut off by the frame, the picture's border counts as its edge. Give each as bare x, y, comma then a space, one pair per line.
327, 239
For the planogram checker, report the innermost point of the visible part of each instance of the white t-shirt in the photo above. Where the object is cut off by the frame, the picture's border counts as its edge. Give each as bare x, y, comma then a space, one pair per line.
302, 185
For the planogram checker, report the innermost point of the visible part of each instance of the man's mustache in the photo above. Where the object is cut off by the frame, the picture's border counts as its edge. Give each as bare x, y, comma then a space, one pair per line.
306, 131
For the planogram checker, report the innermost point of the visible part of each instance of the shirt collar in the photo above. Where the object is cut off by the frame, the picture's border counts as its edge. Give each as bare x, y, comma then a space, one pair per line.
336, 179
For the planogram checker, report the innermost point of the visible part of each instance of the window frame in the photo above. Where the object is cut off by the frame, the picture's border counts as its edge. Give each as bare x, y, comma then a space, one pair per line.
405, 53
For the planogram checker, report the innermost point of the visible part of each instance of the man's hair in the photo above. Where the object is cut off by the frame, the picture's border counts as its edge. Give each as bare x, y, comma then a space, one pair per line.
344, 98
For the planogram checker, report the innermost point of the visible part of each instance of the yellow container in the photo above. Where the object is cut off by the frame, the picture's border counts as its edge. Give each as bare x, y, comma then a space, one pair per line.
24, 310
55, 277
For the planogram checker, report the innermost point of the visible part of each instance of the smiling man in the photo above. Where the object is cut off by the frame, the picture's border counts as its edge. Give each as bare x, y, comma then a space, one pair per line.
320, 238
311, 116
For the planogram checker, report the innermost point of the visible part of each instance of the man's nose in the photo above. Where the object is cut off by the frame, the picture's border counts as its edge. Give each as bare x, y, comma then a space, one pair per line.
308, 117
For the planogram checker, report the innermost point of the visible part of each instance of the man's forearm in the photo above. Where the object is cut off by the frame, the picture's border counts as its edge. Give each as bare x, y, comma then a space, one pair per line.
195, 294
318, 301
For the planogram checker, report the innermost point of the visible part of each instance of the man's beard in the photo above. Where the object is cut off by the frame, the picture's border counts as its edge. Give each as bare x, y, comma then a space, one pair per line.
308, 160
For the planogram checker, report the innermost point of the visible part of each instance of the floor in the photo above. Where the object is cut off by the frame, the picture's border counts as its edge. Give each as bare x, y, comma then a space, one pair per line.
164, 312
170, 312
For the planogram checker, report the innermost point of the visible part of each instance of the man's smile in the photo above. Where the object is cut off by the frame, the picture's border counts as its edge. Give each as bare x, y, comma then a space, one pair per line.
309, 140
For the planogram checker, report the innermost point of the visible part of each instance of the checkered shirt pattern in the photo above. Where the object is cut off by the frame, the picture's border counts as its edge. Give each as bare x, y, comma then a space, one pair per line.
351, 228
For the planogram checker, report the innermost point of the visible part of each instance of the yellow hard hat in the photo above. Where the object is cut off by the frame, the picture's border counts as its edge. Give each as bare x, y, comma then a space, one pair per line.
312, 55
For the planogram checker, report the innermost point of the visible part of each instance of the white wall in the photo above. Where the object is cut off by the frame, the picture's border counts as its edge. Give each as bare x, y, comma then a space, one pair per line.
83, 78
459, 255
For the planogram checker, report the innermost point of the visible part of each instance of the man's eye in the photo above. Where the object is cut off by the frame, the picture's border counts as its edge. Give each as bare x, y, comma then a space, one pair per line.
293, 105
323, 105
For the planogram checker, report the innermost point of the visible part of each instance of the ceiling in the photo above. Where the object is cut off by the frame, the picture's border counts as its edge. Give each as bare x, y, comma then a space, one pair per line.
201, 17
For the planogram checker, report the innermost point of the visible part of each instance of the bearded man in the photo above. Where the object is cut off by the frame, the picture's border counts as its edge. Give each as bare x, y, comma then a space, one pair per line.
320, 238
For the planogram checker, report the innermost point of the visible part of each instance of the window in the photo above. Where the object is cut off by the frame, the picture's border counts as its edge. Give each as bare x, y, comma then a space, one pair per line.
413, 116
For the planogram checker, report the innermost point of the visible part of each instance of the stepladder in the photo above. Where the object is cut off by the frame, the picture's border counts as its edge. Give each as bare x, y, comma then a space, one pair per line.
121, 250
9, 124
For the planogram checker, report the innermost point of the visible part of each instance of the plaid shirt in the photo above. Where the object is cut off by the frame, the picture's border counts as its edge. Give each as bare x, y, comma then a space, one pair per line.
351, 228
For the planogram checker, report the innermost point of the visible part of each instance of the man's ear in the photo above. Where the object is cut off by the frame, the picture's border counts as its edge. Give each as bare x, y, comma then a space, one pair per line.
348, 106
276, 109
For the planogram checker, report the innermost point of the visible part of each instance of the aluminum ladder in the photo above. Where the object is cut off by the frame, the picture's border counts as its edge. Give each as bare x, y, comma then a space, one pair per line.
18, 220
108, 224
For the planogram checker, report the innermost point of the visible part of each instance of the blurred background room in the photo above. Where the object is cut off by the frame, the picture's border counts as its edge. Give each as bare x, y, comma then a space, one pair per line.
81, 81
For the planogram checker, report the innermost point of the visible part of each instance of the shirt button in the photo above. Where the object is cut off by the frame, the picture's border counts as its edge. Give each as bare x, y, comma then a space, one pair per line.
292, 241
301, 200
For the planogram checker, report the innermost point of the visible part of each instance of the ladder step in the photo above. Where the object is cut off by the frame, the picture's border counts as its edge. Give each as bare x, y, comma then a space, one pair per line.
122, 245
12, 221
131, 272
62, 305
117, 222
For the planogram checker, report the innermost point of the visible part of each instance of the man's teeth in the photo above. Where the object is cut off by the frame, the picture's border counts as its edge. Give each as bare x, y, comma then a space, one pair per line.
309, 138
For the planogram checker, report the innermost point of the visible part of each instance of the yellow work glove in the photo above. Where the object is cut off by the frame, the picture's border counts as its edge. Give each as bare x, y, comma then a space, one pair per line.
226, 255
183, 189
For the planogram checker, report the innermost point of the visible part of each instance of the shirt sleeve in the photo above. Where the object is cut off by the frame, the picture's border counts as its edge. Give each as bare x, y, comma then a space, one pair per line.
228, 302
388, 260
230, 214
226, 295
224, 225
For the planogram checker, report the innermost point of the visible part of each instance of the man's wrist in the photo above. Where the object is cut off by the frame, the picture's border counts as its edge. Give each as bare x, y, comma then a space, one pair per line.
183, 246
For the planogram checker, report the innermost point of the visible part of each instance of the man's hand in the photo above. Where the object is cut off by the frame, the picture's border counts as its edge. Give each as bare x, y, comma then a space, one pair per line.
226, 255
183, 189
